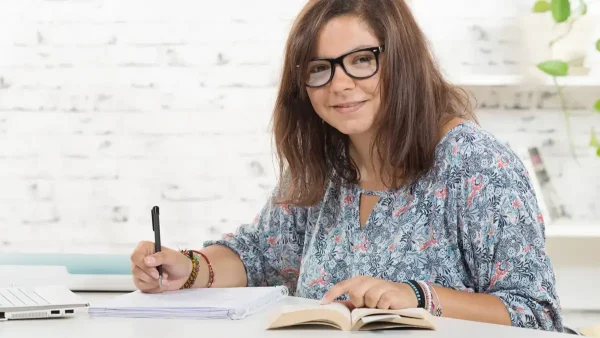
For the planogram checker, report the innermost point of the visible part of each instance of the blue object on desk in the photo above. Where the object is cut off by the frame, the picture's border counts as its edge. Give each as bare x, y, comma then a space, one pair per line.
86, 264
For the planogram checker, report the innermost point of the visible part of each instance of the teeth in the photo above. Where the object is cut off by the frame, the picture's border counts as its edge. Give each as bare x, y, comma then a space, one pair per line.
348, 105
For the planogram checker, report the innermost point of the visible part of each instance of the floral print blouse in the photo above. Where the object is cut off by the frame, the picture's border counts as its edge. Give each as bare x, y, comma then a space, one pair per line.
471, 224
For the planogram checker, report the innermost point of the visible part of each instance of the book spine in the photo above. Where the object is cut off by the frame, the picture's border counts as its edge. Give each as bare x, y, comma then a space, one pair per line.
555, 209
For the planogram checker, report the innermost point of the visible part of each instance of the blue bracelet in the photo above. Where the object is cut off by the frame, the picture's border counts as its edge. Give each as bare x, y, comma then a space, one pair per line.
418, 292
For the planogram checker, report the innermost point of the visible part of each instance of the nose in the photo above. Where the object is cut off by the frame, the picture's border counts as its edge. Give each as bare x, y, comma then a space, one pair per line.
341, 81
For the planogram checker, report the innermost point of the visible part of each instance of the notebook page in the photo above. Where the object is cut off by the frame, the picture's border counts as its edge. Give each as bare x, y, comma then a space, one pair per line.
223, 298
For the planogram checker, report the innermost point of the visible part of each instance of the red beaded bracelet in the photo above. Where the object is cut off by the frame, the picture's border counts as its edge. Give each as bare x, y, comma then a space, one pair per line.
211, 273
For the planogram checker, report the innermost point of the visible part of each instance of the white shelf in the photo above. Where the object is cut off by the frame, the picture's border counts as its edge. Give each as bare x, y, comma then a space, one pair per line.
520, 80
568, 229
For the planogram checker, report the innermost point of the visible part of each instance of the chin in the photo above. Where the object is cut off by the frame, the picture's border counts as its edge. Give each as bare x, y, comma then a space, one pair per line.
355, 128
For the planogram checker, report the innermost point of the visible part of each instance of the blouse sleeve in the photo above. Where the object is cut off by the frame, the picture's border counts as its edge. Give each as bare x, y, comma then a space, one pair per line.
270, 247
502, 234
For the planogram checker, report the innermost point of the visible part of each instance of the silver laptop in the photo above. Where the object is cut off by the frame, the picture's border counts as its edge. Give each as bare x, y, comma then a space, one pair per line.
39, 302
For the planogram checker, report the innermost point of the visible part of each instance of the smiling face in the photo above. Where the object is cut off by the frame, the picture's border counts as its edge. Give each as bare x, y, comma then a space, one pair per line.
348, 104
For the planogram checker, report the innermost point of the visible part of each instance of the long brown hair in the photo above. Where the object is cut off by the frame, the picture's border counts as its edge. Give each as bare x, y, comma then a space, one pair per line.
416, 101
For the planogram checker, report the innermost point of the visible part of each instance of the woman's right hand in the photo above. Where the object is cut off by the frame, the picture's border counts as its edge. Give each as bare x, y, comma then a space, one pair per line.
176, 268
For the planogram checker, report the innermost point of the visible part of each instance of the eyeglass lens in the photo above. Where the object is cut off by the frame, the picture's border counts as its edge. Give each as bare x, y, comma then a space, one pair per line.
360, 64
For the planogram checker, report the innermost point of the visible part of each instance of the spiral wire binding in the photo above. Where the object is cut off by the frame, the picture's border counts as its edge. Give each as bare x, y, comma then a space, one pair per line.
278, 293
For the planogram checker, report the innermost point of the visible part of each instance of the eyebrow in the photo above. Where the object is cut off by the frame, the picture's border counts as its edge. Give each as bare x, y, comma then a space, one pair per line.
360, 47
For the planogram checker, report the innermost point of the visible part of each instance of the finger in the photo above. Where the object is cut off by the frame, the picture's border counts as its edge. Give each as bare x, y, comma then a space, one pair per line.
137, 258
144, 286
338, 290
143, 275
160, 258
142, 250
344, 287
358, 291
373, 295
397, 302
389, 300
153, 289
148, 286
149, 276
152, 272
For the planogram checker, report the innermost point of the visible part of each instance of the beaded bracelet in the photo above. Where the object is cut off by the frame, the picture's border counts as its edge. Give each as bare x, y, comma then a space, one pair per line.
428, 297
438, 308
418, 292
195, 267
211, 273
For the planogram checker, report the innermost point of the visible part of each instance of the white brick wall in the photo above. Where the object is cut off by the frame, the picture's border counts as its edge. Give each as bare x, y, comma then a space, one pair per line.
108, 107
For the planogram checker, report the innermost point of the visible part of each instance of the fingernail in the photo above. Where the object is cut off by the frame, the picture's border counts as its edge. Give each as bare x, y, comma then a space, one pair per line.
149, 260
323, 302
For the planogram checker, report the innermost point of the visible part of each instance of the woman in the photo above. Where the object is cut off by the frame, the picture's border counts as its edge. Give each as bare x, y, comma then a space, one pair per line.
392, 197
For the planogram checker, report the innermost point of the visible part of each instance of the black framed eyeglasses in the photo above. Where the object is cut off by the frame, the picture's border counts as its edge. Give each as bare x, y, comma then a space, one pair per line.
359, 64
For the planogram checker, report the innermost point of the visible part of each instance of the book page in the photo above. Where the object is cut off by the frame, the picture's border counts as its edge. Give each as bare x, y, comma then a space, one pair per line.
357, 314
334, 314
337, 307
591, 331
375, 318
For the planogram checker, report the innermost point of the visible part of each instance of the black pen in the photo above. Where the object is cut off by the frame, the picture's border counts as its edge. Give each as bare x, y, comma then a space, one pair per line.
157, 246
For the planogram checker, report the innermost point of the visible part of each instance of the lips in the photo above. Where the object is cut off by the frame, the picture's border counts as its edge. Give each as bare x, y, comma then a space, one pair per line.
349, 107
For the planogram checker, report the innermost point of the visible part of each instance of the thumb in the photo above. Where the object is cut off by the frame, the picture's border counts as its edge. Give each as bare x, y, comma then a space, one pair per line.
160, 258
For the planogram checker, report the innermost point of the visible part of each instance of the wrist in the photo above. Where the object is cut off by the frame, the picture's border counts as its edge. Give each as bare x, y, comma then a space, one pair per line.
199, 262
410, 298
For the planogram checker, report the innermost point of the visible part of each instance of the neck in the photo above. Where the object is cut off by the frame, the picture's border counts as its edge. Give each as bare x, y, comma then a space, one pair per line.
369, 166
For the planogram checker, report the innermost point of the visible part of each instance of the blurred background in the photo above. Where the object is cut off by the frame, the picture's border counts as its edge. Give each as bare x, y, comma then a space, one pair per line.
110, 107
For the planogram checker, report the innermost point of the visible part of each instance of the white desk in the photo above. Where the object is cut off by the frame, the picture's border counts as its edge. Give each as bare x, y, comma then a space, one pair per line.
250, 327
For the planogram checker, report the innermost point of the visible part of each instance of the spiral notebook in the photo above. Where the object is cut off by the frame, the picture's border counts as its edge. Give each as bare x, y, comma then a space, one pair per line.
213, 303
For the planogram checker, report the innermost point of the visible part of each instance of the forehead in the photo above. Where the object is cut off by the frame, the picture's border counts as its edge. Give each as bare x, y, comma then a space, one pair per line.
343, 34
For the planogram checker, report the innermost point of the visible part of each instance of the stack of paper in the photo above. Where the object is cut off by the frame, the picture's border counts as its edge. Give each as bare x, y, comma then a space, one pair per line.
213, 303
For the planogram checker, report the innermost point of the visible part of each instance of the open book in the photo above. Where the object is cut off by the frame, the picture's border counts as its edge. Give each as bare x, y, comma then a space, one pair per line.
338, 316
591, 331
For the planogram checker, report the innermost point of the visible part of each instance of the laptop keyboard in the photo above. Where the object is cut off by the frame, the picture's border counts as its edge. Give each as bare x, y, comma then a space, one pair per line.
13, 297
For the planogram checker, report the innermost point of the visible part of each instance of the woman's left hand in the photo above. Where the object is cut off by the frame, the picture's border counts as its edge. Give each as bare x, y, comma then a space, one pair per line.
373, 293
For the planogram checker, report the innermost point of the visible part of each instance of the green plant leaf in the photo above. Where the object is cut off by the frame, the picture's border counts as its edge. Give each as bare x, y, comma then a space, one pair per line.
561, 10
598, 45
541, 6
583, 8
597, 106
554, 67
598, 152
594, 142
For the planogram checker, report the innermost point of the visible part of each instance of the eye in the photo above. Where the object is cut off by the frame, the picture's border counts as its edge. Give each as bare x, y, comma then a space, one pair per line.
364, 59
318, 69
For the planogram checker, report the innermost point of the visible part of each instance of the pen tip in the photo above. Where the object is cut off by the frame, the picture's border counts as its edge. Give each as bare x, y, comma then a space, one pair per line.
160, 281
